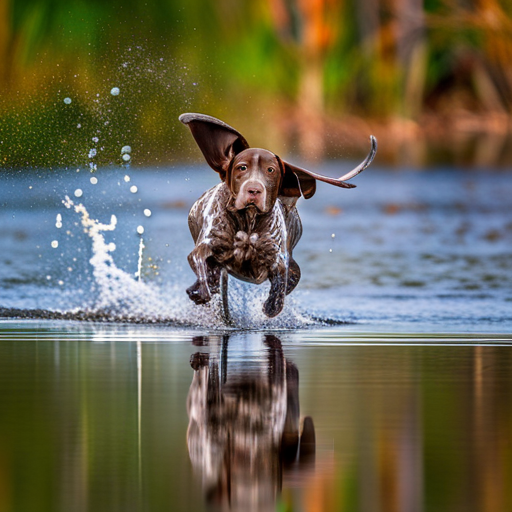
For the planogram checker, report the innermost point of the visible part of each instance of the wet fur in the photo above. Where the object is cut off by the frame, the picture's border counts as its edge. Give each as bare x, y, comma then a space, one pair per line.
252, 246
248, 224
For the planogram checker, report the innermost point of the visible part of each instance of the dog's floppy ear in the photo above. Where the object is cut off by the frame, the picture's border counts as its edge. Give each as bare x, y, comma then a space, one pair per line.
297, 181
218, 141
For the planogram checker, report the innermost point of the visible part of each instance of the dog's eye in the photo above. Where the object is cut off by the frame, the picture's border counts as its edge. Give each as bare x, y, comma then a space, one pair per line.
242, 168
270, 170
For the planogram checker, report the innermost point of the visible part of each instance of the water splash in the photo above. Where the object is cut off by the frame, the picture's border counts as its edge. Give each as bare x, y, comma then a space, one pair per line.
138, 274
122, 296
119, 294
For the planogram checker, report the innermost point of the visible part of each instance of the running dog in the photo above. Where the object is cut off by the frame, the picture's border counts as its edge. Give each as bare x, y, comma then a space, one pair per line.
248, 224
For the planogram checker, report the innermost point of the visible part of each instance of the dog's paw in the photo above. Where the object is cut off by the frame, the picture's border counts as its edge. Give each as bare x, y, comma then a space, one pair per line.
273, 306
199, 293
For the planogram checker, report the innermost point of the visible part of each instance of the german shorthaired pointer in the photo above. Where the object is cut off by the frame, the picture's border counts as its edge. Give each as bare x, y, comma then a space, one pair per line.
248, 224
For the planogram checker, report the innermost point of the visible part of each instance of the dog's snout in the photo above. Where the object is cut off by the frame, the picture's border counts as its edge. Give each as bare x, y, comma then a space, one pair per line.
254, 191
253, 188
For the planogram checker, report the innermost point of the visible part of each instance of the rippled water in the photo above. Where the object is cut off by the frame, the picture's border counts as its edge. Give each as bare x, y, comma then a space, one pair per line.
384, 385
404, 251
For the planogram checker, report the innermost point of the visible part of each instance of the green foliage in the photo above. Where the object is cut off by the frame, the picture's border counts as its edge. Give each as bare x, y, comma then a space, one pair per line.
218, 56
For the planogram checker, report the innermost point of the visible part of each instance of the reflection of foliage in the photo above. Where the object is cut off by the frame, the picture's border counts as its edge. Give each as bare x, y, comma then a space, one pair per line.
309, 59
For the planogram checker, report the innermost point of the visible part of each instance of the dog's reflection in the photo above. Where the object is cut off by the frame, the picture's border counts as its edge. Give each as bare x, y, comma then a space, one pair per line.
244, 422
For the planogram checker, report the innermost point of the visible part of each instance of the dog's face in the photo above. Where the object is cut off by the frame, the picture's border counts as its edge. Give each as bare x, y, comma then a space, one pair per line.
254, 179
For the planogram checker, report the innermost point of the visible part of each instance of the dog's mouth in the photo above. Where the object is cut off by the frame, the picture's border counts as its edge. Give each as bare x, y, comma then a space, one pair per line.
248, 207
235, 205
252, 204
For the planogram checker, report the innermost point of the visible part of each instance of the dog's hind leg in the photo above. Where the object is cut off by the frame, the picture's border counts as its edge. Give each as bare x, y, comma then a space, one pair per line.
293, 276
275, 302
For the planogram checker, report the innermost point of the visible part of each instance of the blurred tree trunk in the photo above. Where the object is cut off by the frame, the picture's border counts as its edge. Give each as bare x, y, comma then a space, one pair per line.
367, 12
310, 102
309, 25
412, 53
393, 38
316, 38
494, 77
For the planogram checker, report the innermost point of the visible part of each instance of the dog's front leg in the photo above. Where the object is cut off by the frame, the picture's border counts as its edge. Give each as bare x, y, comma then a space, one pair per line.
275, 302
208, 274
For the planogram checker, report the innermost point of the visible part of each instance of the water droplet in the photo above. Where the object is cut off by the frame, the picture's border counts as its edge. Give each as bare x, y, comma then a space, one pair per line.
127, 178
114, 91
78, 192
55, 244
67, 101
126, 149
147, 212
140, 230
330, 250
333, 235
61, 283
133, 189
94, 180
126, 157
48, 278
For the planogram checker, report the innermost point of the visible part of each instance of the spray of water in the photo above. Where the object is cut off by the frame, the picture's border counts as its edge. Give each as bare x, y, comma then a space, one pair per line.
119, 294
138, 274
126, 297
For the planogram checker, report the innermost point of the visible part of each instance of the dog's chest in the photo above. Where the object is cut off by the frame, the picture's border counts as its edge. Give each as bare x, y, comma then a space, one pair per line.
248, 244
249, 248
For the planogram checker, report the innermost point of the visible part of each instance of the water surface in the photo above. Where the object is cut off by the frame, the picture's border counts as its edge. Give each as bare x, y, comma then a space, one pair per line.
127, 417
384, 385
414, 251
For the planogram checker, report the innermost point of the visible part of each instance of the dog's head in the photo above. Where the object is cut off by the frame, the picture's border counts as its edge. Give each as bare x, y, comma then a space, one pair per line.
257, 177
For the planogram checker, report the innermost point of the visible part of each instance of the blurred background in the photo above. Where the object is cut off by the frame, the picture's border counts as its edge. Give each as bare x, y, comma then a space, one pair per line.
431, 79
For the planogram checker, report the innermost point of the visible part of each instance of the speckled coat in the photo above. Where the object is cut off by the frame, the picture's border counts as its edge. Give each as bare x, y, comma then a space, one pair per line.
252, 246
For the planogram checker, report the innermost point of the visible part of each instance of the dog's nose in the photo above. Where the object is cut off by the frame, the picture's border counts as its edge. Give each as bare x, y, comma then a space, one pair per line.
253, 191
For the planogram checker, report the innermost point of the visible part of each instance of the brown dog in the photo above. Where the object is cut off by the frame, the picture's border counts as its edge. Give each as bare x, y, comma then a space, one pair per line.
248, 224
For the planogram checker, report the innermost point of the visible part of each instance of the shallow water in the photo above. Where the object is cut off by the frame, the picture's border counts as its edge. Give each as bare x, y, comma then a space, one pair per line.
384, 385
414, 251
